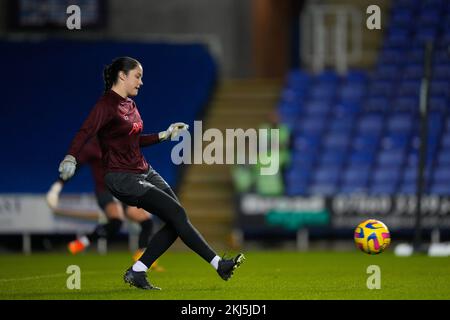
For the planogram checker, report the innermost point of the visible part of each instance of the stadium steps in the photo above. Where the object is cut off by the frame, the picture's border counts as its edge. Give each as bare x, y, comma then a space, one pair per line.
206, 191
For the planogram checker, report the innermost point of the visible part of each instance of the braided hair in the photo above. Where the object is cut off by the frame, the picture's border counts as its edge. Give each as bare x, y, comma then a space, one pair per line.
111, 72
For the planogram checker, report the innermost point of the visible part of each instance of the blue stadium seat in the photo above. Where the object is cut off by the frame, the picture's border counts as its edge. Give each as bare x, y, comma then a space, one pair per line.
383, 188
410, 173
376, 104
289, 109
426, 32
413, 71
391, 158
327, 174
317, 108
357, 175
366, 142
436, 122
307, 143
356, 76
352, 92
381, 88
401, 122
409, 87
297, 179
442, 174
362, 158
441, 188
326, 91
313, 125
338, 141
415, 54
341, 125
345, 109
395, 142
441, 71
440, 88
406, 4
431, 156
352, 188
371, 123
327, 77
428, 18
325, 189
447, 125
297, 173
407, 188
445, 142
438, 103
288, 115
444, 41
386, 175
301, 158
298, 79
292, 96
391, 56
406, 104
441, 56
444, 157
332, 157
397, 38
401, 17
386, 72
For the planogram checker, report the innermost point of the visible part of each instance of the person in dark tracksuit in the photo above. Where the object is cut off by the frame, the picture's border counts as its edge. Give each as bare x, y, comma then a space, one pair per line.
116, 122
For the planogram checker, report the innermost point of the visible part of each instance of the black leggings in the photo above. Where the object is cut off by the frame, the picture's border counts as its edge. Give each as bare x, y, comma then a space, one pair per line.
165, 204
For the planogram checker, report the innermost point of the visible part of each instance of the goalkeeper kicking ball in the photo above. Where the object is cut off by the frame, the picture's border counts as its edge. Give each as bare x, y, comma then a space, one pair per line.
372, 236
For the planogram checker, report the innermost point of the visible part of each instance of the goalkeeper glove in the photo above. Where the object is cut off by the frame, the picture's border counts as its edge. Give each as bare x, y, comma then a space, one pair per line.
172, 131
53, 194
67, 167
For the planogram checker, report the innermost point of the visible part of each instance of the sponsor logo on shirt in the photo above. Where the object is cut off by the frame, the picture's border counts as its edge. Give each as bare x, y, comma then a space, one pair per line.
136, 129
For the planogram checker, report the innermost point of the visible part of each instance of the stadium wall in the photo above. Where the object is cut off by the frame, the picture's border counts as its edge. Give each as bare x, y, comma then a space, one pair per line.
53, 84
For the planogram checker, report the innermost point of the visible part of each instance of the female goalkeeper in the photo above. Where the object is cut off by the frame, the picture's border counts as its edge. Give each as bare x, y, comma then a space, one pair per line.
116, 122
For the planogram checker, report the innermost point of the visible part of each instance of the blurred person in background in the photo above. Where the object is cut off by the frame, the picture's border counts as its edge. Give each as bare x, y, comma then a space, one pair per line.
115, 211
248, 178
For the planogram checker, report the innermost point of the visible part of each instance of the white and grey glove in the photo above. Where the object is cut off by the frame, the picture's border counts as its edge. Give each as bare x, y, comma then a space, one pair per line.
172, 131
53, 194
67, 167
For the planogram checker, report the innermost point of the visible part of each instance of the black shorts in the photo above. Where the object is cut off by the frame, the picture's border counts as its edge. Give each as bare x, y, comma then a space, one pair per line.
105, 197
129, 187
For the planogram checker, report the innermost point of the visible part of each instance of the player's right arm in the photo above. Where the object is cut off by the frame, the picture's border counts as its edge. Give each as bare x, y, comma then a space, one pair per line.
98, 117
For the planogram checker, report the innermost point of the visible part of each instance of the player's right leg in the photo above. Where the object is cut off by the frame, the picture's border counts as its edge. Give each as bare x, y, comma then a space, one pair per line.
145, 220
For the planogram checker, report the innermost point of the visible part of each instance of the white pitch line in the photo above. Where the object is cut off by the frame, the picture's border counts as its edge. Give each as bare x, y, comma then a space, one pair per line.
43, 277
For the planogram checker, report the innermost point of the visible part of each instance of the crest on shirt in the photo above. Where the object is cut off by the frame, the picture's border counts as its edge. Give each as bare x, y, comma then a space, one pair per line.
137, 128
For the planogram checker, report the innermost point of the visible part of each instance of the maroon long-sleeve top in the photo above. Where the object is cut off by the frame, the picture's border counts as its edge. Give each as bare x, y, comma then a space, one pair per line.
118, 125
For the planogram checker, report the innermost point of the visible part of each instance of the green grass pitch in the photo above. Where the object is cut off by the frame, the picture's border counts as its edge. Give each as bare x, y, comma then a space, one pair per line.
268, 275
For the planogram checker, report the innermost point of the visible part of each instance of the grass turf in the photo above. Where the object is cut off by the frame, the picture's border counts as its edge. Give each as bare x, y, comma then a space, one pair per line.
268, 275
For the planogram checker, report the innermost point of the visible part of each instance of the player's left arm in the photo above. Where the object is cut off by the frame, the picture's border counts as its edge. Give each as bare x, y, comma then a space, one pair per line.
172, 131
146, 140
